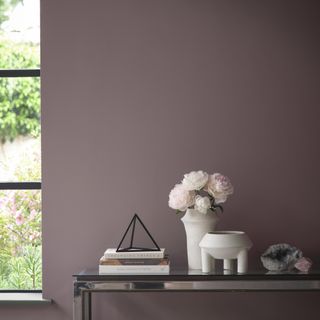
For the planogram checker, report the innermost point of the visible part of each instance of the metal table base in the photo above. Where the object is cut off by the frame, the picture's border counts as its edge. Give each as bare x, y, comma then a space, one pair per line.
90, 281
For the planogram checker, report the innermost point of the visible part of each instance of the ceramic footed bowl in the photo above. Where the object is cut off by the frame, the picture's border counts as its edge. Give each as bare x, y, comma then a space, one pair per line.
226, 245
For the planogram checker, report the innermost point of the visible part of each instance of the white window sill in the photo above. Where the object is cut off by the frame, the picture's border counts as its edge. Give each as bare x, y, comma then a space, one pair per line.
22, 298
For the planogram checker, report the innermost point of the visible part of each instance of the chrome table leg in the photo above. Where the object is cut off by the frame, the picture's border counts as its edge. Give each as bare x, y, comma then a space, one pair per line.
81, 302
86, 305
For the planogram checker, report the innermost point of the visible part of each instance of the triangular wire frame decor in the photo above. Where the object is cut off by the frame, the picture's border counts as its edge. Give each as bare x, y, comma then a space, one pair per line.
133, 248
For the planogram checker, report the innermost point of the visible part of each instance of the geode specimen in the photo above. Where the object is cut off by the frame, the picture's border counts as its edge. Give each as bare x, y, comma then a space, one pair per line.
280, 257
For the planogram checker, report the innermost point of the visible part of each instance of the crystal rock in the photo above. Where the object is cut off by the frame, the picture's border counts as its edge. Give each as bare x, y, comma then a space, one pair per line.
280, 257
303, 264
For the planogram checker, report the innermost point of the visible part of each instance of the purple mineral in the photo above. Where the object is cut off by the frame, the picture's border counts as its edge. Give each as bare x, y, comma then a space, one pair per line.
303, 264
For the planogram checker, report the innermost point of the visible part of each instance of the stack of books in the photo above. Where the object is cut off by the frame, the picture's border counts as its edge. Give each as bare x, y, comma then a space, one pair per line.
134, 262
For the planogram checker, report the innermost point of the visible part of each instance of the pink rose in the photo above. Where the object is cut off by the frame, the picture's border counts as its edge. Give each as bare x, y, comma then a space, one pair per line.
180, 198
219, 187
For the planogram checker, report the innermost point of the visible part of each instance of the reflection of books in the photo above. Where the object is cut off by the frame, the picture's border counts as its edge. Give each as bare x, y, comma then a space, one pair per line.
113, 254
134, 269
134, 262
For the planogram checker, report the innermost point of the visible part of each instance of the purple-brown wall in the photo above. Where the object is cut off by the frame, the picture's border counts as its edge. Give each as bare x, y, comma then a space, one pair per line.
137, 92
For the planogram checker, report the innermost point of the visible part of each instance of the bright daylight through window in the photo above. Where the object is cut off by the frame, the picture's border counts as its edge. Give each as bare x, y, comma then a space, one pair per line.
20, 154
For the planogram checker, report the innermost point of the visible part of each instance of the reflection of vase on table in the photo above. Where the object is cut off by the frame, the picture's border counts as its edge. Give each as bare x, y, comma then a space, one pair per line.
200, 195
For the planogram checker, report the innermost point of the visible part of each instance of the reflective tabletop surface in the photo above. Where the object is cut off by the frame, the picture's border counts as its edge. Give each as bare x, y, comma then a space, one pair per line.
180, 274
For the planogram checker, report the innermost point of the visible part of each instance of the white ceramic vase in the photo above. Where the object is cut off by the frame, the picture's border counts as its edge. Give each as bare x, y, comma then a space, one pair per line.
225, 245
197, 225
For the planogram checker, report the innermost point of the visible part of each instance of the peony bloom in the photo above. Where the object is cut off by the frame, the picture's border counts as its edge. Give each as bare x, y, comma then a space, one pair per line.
202, 204
180, 198
219, 187
195, 180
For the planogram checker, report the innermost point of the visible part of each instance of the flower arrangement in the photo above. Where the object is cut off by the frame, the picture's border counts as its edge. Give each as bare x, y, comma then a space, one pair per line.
200, 191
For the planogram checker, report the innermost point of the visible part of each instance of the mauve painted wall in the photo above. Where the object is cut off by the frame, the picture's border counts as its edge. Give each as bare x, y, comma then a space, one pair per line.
136, 93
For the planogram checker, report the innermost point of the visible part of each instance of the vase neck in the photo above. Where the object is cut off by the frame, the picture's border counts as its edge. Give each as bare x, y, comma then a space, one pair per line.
195, 215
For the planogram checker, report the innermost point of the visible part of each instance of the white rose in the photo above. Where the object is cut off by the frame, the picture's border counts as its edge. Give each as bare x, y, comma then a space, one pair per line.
219, 187
195, 180
180, 198
202, 204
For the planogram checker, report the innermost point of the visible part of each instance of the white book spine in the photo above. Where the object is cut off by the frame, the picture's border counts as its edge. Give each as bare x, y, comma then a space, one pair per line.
103, 269
113, 254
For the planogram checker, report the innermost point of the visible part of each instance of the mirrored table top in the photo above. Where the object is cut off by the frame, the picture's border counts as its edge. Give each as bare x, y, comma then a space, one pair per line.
180, 274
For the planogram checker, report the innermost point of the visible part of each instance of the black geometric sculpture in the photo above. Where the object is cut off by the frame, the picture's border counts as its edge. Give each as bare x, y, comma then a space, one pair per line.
131, 247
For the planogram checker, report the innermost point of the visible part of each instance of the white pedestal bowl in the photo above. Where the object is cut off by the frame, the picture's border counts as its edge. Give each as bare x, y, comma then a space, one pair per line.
226, 245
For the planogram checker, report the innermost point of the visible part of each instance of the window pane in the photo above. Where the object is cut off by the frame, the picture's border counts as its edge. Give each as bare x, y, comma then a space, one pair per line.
20, 239
20, 161
20, 129
19, 34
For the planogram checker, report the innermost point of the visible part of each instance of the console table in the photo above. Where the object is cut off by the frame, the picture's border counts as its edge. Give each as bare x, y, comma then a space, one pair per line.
90, 281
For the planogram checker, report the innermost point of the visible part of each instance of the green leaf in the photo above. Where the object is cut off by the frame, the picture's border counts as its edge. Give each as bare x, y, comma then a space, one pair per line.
218, 206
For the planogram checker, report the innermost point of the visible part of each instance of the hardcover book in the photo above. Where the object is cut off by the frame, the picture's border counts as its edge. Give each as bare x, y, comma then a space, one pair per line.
134, 269
135, 262
113, 254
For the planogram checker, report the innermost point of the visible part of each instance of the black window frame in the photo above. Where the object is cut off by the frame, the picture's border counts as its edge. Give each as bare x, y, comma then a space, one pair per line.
36, 185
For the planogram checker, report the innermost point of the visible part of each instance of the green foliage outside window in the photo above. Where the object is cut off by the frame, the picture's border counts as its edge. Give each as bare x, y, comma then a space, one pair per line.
20, 230
5, 6
20, 210
19, 97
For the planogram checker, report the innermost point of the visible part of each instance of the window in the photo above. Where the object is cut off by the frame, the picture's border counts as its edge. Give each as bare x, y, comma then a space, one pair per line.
20, 148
